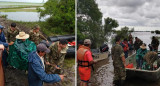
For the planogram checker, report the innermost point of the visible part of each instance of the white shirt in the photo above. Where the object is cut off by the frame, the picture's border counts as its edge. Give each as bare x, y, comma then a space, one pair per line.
42, 59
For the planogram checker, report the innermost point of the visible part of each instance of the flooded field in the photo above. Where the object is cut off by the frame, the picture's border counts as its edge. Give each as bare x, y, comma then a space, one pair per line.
24, 16
103, 75
20, 11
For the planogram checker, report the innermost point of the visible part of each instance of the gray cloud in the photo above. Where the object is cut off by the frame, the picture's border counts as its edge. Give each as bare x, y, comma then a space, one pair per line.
132, 12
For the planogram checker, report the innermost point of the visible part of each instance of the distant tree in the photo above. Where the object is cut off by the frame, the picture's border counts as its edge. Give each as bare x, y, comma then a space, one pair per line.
62, 16
89, 22
109, 25
124, 32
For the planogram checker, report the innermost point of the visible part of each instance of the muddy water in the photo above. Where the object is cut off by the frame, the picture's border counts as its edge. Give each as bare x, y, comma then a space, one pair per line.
103, 75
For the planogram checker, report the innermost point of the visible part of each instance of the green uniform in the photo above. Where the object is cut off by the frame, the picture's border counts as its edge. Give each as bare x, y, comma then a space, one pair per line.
119, 69
11, 35
36, 37
150, 58
55, 57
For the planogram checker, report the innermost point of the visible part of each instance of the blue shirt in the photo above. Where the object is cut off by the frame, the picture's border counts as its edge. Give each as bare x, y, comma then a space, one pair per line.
36, 72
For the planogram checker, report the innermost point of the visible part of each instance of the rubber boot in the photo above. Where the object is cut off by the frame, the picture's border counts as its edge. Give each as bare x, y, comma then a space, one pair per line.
122, 83
116, 83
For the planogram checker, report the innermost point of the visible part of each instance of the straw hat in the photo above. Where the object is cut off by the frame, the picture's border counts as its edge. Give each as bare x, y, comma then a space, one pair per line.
143, 46
22, 35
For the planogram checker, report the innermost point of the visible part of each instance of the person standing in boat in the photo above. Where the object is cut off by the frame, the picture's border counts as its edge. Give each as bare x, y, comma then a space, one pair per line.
137, 43
154, 44
149, 59
118, 63
125, 46
140, 54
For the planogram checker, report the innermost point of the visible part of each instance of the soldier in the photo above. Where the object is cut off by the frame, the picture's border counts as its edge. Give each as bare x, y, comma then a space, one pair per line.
36, 36
118, 63
56, 56
13, 30
149, 59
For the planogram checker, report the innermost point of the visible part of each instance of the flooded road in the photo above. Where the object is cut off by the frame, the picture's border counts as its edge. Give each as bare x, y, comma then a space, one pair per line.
103, 74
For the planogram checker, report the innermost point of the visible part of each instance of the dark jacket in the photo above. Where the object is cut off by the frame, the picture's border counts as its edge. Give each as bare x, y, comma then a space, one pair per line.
36, 72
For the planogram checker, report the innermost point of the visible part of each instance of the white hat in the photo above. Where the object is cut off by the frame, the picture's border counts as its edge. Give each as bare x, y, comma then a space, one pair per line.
87, 41
22, 35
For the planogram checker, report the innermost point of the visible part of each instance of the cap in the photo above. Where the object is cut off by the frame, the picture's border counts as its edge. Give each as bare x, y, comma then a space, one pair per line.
87, 41
43, 48
1, 27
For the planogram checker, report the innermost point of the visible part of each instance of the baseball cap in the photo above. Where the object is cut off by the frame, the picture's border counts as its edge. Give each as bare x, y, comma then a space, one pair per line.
43, 48
87, 41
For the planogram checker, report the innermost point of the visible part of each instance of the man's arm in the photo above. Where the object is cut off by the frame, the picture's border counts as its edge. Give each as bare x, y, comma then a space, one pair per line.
49, 78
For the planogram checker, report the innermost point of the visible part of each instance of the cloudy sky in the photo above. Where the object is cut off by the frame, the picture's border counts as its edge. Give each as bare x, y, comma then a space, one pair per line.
33, 1
132, 12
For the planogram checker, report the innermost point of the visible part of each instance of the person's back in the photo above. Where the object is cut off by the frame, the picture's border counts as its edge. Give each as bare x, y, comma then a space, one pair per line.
117, 50
118, 63
150, 58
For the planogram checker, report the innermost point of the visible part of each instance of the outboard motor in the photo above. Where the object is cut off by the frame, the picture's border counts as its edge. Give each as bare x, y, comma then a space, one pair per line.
104, 48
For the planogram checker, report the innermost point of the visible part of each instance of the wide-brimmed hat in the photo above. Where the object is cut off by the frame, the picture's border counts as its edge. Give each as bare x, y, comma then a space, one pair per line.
143, 46
22, 35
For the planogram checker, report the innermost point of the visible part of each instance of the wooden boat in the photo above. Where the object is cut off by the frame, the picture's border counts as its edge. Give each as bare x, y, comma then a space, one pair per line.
151, 75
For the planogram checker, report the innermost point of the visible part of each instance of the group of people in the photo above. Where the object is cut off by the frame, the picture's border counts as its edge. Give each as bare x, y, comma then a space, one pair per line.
25, 52
144, 58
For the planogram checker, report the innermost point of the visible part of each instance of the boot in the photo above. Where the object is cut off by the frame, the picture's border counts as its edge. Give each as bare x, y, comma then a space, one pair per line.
116, 83
122, 83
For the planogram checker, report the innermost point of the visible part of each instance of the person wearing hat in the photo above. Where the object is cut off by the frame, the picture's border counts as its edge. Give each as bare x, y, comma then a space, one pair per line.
139, 55
56, 56
36, 36
3, 41
12, 32
18, 52
36, 69
85, 62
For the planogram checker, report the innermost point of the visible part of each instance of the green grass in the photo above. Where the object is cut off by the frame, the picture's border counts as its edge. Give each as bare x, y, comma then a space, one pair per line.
18, 10
69, 62
17, 6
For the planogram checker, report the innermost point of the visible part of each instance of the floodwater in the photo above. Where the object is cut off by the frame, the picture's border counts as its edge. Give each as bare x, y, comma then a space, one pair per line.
103, 75
23, 16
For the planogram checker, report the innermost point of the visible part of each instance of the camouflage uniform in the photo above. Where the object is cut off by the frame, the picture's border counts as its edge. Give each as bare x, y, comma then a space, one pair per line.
11, 35
36, 37
119, 69
55, 57
150, 58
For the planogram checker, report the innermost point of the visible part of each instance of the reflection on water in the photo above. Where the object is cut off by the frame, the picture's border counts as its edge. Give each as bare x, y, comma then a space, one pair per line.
23, 16
104, 74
